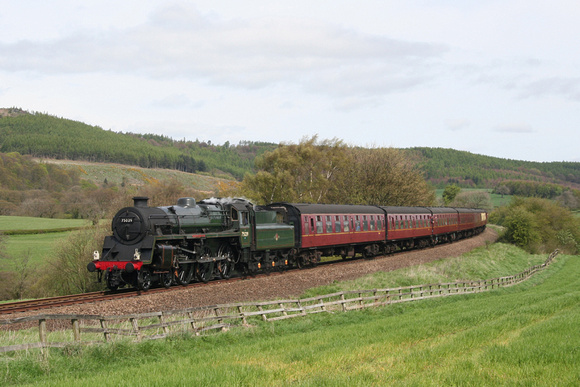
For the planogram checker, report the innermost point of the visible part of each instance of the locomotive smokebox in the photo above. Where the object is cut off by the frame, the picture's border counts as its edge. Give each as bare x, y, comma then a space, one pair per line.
140, 201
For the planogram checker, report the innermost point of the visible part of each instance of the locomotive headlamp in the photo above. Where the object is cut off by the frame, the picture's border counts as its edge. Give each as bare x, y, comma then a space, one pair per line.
96, 255
137, 255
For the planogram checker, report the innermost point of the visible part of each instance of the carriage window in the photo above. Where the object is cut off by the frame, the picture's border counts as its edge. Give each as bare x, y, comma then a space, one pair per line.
337, 224
306, 228
328, 224
345, 223
319, 229
357, 223
365, 223
372, 223
312, 225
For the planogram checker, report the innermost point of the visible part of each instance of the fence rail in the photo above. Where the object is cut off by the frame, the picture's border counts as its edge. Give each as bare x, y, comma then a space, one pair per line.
67, 330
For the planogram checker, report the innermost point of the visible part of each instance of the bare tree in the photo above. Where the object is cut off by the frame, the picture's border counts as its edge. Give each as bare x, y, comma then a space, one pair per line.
473, 199
568, 200
503, 190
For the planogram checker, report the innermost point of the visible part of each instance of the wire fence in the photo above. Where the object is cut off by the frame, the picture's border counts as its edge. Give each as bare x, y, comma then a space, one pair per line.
44, 331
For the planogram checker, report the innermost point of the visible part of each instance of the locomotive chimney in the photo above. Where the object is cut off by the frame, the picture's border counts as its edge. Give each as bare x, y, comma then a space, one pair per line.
140, 201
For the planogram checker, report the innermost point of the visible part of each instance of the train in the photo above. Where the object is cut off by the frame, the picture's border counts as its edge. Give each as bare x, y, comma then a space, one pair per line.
213, 238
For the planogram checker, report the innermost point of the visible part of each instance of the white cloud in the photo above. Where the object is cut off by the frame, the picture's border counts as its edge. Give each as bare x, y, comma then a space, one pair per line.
568, 88
376, 72
180, 42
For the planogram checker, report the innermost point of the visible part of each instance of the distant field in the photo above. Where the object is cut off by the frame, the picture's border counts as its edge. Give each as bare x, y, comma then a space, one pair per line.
33, 237
29, 223
37, 247
496, 200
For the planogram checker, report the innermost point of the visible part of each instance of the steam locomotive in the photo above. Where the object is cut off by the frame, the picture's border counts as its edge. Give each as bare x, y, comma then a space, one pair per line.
213, 238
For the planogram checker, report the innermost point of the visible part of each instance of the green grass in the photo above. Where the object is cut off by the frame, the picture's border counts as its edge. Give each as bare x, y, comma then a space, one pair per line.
33, 238
496, 199
522, 335
486, 262
25, 223
37, 247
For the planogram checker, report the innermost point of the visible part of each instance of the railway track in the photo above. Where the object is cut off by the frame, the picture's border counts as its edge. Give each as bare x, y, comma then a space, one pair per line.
55, 302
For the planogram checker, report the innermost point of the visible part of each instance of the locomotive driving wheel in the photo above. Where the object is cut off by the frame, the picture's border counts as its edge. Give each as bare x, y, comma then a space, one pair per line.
167, 279
182, 273
204, 271
225, 266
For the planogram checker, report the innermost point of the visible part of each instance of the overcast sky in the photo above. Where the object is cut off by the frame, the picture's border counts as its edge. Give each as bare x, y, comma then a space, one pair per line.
500, 78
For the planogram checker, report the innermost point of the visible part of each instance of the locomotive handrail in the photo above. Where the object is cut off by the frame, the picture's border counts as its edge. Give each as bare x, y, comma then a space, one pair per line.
91, 329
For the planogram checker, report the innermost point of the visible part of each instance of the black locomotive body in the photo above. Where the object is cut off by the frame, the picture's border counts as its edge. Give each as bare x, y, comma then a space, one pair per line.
189, 240
212, 238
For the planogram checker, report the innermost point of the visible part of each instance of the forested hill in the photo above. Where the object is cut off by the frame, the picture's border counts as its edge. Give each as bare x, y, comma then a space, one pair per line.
448, 166
46, 136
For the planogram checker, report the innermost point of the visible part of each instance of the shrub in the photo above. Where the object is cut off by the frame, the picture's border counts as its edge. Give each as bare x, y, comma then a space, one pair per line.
538, 225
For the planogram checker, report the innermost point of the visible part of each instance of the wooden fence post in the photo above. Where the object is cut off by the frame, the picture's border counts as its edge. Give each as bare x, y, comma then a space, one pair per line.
42, 331
162, 322
283, 309
244, 321
135, 325
264, 318
76, 329
193, 325
105, 331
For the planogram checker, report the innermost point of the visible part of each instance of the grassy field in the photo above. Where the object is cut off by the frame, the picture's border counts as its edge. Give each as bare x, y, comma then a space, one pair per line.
496, 200
523, 335
25, 223
33, 237
37, 247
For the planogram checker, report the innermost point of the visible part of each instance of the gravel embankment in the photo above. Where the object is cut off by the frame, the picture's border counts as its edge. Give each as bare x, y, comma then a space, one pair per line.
288, 285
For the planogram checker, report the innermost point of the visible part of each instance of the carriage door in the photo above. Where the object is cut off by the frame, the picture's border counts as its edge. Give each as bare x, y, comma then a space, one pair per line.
244, 224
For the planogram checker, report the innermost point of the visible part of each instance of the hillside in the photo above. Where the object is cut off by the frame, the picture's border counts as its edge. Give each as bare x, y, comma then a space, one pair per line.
448, 166
45, 136
48, 137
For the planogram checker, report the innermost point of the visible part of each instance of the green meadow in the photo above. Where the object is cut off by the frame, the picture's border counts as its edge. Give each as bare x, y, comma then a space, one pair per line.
21, 224
33, 238
522, 335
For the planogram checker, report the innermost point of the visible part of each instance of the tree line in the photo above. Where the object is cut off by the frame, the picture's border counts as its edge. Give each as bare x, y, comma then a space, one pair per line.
468, 170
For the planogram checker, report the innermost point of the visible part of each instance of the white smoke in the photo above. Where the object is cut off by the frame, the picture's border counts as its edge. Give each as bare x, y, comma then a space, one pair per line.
228, 200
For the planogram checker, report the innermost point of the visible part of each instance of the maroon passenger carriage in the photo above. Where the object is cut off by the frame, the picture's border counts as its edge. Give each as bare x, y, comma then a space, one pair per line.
408, 227
333, 229
347, 230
